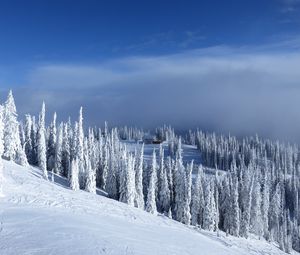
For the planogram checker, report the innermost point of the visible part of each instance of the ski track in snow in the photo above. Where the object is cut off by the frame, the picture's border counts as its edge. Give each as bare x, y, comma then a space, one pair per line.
41, 217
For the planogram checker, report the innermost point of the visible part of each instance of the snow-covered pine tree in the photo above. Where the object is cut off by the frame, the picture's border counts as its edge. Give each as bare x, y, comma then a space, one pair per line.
234, 198
90, 185
188, 194
34, 131
256, 215
266, 203
170, 176
164, 194
80, 150
274, 213
66, 152
197, 204
247, 202
41, 143
74, 181
12, 142
28, 139
111, 184
104, 164
151, 197
127, 180
179, 184
58, 152
139, 196
51, 154
208, 212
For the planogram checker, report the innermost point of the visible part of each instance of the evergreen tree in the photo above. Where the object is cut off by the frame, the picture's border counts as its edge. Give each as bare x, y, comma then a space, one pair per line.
180, 181
66, 152
51, 153
28, 139
59, 151
127, 182
197, 204
234, 198
164, 194
12, 142
139, 196
256, 215
74, 181
188, 194
41, 143
80, 150
90, 185
208, 212
151, 197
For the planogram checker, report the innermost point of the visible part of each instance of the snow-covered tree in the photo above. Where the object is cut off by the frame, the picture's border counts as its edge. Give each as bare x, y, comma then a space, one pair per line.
208, 212
90, 185
66, 151
151, 197
12, 143
197, 204
256, 215
139, 196
28, 139
74, 181
51, 154
41, 143
164, 195
188, 194
127, 181
179, 186
80, 150
58, 153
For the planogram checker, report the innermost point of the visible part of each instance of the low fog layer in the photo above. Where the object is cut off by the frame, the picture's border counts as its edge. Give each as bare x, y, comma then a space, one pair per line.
219, 89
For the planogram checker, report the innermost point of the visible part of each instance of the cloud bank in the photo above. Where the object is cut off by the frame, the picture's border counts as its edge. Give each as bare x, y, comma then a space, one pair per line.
222, 89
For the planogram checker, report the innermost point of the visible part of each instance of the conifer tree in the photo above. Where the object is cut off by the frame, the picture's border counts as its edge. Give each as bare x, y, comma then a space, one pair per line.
41, 143
208, 212
51, 153
59, 151
197, 204
188, 194
66, 152
139, 196
80, 149
151, 197
127, 182
12, 142
28, 139
90, 185
74, 181
164, 194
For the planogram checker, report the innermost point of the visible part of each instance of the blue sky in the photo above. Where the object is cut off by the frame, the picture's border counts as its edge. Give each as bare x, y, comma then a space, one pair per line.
88, 31
221, 65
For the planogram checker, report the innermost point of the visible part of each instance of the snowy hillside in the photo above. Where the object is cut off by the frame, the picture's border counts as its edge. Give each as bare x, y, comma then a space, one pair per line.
41, 217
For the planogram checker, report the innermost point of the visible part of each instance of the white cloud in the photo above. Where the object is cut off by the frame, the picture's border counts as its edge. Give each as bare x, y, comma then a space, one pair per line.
240, 90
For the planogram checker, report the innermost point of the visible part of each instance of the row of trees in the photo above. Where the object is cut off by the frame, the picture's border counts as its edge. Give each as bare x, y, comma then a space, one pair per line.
257, 190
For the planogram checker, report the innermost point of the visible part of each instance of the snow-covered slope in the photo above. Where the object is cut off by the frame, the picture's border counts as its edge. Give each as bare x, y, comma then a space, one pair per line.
41, 217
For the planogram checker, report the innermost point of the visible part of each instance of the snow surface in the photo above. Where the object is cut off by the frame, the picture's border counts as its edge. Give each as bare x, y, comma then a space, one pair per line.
41, 217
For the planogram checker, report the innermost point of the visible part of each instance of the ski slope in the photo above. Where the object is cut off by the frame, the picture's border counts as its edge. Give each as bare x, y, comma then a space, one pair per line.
44, 217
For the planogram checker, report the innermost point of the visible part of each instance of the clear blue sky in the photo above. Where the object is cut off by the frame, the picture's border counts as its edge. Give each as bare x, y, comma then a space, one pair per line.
91, 30
213, 64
